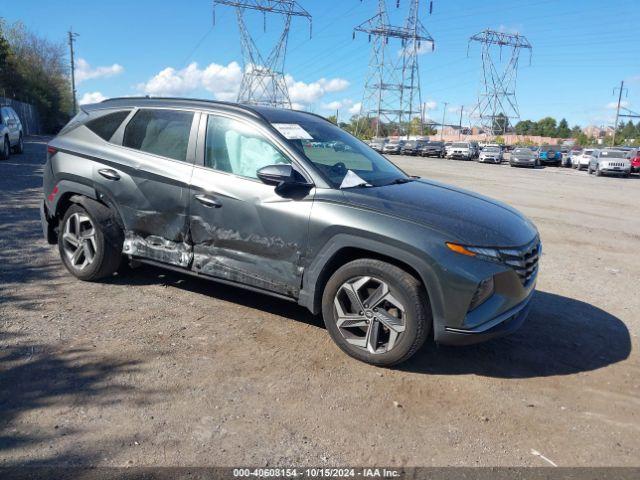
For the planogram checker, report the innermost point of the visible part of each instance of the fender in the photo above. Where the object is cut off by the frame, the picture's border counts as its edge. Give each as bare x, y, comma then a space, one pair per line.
73, 187
311, 293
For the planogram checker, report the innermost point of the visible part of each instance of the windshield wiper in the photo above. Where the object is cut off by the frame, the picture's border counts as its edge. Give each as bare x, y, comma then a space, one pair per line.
400, 180
358, 185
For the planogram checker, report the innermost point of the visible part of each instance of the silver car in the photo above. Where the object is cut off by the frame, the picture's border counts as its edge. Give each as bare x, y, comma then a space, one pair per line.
490, 155
610, 161
11, 133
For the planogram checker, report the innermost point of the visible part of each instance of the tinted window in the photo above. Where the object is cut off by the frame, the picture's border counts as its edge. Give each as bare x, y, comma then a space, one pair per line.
107, 125
236, 147
161, 132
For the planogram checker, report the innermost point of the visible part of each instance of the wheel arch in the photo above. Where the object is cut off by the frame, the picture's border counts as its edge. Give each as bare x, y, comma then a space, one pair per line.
345, 248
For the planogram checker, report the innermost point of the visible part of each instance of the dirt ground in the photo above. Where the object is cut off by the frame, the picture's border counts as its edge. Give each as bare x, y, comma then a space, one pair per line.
156, 368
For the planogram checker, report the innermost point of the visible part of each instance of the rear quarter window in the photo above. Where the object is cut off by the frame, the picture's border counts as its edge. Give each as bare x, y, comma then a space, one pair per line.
107, 125
160, 132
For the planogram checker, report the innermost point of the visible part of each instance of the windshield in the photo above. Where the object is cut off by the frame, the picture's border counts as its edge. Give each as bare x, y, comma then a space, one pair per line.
490, 149
335, 153
613, 154
523, 152
460, 145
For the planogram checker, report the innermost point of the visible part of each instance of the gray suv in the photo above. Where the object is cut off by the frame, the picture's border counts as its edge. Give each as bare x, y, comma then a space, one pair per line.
250, 196
11, 133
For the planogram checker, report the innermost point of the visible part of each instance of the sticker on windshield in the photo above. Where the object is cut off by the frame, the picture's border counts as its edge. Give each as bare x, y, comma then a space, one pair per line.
292, 131
352, 179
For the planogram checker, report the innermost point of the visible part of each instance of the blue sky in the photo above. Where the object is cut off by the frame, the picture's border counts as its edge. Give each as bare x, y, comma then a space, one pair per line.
582, 49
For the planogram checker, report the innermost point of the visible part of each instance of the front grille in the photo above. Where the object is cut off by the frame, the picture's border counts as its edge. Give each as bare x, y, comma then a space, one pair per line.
616, 164
523, 260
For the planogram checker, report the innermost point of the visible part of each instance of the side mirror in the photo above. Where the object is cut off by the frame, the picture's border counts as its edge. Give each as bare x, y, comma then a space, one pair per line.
284, 177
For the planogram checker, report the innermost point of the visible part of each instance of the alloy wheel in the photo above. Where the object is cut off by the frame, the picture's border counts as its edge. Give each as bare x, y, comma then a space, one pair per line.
368, 316
79, 241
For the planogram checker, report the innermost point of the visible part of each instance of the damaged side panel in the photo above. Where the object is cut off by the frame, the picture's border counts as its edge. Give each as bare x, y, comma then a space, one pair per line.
159, 249
255, 237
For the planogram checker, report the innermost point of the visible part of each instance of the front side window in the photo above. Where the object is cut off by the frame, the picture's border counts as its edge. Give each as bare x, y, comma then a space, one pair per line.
236, 147
161, 132
334, 152
106, 125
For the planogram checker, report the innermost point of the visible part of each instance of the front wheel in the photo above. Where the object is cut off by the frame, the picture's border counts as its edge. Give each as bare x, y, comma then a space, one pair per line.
376, 312
5, 152
20, 147
89, 249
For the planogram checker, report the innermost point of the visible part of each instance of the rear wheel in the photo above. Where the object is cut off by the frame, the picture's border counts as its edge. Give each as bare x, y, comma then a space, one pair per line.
89, 249
376, 312
5, 153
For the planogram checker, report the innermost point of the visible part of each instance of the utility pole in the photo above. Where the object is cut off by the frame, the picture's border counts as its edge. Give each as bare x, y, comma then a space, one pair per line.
497, 96
444, 113
263, 81
615, 126
72, 39
460, 124
392, 86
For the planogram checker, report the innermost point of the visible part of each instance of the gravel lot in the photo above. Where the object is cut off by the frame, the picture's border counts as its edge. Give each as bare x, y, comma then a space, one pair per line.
158, 368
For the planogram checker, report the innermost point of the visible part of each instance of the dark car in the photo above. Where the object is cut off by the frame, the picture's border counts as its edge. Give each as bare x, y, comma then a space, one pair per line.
412, 147
523, 157
549, 155
433, 149
251, 196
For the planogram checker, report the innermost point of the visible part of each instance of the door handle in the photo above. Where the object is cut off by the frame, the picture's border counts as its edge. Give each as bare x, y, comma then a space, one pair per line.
208, 201
109, 174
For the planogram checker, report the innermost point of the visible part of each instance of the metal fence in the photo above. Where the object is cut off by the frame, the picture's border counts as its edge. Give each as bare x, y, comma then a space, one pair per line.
27, 113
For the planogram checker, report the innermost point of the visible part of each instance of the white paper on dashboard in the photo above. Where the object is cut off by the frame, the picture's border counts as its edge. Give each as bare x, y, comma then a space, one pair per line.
351, 179
292, 131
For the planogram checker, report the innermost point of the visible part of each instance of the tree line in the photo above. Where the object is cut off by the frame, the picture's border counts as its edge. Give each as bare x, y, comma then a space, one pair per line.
34, 70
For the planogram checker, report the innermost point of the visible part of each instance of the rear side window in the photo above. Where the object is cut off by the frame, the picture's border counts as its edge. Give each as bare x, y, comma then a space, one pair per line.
107, 125
161, 132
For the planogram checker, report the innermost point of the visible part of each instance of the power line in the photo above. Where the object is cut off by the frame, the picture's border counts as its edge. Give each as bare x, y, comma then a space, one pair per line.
263, 81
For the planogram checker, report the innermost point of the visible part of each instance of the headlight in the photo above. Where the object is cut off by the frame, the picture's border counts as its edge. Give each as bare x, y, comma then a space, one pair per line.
480, 252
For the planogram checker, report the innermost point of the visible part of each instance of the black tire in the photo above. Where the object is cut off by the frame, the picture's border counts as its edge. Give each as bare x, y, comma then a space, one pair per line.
5, 151
19, 148
108, 242
598, 172
403, 286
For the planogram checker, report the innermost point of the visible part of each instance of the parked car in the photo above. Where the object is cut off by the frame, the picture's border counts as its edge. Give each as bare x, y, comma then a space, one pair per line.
378, 144
11, 133
460, 151
237, 194
393, 147
609, 161
582, 159
490, 155
412, 147
549, 155
567, 158
475, 149
635, 162
523, 157
433, 149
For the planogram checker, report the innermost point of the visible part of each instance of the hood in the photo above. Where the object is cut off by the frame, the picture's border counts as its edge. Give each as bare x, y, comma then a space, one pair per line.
463, 216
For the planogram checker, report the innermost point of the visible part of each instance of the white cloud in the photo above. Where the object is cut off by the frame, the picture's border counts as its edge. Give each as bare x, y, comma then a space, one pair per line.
92, 97
308, 93
224, 83
355, 108
614, 105
85, 72
347, 104
430, 105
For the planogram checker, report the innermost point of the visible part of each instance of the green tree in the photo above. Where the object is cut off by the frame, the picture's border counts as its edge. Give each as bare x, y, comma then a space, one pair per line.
40, 77
333, 119
547, 127
563, 129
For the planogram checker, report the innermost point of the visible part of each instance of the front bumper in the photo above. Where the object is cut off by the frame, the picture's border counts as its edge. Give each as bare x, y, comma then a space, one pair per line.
504, 324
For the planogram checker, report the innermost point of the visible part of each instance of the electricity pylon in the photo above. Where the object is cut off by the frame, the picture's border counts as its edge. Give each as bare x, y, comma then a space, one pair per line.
263, 81
392, 88
497, 105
